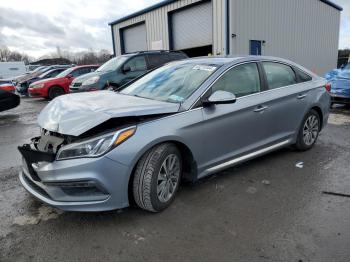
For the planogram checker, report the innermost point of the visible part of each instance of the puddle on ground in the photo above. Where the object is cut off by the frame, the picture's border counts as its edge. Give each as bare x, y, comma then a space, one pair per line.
44, 213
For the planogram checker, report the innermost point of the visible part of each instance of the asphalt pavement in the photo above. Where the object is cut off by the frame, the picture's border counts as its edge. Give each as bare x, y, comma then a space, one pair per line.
269, 209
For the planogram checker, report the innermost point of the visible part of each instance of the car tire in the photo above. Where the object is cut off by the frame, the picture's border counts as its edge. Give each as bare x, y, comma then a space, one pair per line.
55, 91
157, 177
309, 130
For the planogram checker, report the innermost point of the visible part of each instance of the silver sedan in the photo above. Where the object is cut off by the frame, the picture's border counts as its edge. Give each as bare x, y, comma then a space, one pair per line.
185, 120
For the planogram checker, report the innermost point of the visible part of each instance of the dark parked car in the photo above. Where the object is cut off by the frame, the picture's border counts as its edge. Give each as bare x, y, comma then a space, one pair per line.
122, 69
340, 88
40, 70
22, 87
8, 87
8, 100
5, 81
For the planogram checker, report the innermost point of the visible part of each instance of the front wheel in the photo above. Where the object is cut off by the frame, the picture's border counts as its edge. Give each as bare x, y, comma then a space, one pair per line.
157, 177
309, 131
55, 91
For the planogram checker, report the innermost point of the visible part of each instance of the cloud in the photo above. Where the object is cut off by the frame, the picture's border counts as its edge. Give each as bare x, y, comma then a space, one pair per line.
34, 22
37, 27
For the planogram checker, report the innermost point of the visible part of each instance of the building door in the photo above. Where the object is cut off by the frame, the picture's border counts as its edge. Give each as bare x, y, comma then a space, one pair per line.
134, 38
255, 47
191, 29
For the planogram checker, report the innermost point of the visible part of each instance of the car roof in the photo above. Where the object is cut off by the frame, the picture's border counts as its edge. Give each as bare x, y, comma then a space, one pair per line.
239, 58
153, 52
227, 61
81, 66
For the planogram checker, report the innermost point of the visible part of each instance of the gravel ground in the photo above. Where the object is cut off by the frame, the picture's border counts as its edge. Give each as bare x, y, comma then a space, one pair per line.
268, 209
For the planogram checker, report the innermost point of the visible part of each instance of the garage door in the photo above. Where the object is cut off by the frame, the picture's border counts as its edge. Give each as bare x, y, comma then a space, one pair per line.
192, 27
135, 39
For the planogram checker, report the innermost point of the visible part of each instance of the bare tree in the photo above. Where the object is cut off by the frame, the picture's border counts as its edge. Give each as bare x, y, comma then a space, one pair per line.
6, 55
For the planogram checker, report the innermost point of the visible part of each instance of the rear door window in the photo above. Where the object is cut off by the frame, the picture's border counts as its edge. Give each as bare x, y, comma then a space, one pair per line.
177, 56
137, 63
241, 80
155, 60
279, 75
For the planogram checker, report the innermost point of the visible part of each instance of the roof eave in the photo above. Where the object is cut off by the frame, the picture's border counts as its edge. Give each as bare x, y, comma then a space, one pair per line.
166, 2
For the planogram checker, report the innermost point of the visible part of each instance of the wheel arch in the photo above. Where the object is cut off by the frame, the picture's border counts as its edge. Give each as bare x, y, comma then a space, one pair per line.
319, 112
53, 86
188, 161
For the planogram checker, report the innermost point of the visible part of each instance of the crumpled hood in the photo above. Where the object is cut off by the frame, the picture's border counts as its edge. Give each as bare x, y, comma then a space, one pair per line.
75, 114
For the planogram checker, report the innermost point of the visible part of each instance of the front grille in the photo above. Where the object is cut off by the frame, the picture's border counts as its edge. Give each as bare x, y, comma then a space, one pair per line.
36, 187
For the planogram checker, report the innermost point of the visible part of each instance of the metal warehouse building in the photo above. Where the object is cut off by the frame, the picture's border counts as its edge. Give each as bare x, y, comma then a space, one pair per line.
305, 31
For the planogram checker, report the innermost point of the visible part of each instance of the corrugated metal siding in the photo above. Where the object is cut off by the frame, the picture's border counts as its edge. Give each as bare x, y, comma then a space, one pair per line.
193, 26
135, 38
157, 25
305, 31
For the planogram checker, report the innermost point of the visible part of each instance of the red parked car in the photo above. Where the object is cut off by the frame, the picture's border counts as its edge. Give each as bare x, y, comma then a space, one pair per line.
8, 87
53, 87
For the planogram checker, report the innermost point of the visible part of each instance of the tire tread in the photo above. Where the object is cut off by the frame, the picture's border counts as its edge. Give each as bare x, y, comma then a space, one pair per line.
142, 183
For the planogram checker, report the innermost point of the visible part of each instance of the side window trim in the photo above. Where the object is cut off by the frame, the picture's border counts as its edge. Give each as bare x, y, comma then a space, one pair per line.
263, 80
295, 69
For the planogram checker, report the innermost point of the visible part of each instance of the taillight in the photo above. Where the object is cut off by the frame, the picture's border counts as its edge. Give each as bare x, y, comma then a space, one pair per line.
328, 87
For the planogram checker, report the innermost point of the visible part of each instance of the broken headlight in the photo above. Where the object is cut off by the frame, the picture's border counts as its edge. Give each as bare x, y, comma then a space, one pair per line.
96, 146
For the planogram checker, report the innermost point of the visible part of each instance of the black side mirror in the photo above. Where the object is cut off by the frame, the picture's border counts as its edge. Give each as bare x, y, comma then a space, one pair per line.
220, 97
126, 69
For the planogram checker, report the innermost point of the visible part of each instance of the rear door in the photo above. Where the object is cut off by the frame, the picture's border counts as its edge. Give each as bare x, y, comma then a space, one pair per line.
136, 66
286, 100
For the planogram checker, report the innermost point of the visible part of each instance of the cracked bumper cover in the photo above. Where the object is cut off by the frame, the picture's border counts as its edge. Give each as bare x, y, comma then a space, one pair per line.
86, 184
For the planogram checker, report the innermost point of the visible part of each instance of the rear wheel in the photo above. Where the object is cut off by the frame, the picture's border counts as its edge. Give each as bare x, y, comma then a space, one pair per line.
55, 91
309, 131
157, 177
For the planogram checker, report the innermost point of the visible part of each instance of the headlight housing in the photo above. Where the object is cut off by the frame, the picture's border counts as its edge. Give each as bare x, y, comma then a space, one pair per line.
91, 81
41, 85
95, 147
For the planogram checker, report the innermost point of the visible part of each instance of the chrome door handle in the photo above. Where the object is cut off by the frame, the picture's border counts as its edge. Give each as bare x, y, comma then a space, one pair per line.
260, 109
301, 96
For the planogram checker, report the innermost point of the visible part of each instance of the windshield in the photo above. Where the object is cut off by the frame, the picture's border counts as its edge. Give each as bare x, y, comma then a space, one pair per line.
38, 69
112, 64
65, 72
46, 73
347, 67
174, 82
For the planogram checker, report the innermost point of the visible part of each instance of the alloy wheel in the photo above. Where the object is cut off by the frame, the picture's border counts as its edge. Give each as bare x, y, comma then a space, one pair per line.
310, 130
168, 178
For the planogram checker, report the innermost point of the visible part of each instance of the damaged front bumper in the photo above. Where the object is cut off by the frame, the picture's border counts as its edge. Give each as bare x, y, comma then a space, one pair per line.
94, 184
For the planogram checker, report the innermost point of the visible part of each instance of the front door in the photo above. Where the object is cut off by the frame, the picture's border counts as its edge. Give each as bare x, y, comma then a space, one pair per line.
231, 130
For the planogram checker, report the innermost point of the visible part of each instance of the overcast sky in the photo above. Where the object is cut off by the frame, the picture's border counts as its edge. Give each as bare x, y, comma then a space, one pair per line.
37, 27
